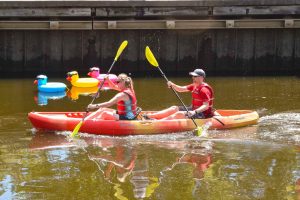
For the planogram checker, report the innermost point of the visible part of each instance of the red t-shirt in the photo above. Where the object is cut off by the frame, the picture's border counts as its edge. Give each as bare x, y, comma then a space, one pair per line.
200, 95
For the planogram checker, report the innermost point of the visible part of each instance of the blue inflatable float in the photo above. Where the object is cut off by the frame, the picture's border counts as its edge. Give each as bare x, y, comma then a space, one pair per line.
43, 86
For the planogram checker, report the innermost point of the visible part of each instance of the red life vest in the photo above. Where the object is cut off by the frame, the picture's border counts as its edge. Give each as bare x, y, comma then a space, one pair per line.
197, 101
121, 107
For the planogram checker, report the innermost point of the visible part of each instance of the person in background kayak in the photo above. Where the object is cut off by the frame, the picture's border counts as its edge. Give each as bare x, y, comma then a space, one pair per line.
125, 100
202, 100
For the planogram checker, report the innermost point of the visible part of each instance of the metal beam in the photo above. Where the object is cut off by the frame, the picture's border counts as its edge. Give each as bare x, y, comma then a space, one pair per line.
256, 10
139, 3
150, 24
45, 12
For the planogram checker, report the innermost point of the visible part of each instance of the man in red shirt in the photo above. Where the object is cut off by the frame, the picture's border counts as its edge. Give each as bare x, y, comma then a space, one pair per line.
202, 100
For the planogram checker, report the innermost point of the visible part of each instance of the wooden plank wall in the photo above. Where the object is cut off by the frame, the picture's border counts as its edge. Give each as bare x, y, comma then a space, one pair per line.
224, 51
232, 37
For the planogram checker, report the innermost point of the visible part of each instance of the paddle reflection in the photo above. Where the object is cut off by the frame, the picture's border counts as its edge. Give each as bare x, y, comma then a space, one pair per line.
297, 184
141, 163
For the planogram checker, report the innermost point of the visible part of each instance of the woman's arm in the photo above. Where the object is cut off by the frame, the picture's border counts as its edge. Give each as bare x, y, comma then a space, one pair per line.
111, 102
111, 84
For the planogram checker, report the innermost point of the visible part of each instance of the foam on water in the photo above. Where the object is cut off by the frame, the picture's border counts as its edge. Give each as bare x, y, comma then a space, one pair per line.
281, 127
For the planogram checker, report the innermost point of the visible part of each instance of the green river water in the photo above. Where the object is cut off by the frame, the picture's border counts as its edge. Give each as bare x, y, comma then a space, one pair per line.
256, 162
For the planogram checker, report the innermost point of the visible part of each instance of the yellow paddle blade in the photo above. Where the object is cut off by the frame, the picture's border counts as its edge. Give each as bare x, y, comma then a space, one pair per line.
121, 48
150, 57
76, 129
199, 131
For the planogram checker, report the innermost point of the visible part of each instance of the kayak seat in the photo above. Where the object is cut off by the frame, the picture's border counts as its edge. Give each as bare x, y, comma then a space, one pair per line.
146, 117
137, 113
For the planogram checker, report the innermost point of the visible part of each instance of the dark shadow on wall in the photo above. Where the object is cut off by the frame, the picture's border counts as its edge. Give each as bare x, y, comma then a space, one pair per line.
90, 59
206, 55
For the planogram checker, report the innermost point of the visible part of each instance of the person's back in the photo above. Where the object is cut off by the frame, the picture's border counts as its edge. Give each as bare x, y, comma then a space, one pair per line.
127, 108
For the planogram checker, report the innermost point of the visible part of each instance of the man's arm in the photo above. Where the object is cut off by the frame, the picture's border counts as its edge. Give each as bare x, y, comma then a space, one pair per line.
178, 88
202, 108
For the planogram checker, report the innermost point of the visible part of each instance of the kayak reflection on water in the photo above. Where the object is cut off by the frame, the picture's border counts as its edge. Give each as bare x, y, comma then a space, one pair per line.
121, 163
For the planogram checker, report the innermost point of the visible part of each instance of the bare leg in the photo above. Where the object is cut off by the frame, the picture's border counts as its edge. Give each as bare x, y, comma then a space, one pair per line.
177, 115
97, 113
164, 113
107, 115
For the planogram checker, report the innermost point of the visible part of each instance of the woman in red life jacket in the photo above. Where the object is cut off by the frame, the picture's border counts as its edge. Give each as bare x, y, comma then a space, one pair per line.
202, 100
125, 100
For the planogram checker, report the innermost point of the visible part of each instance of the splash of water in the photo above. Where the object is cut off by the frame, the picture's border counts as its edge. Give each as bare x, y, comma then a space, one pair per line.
205, 128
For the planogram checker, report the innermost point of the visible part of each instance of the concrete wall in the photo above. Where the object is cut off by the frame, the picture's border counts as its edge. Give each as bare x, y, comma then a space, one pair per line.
224, 51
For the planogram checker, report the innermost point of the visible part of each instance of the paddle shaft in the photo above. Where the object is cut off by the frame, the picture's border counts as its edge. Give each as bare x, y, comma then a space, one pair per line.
163, 74
101, 85
120, 50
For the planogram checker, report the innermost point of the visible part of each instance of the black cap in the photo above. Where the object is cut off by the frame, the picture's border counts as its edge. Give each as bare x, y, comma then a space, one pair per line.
198, 72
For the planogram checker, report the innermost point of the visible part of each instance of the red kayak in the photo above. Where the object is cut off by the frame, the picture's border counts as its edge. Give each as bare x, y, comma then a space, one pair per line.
66, 121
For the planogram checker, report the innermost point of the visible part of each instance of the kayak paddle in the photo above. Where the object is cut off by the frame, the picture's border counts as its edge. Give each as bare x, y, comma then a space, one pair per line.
120, 50
151, 59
